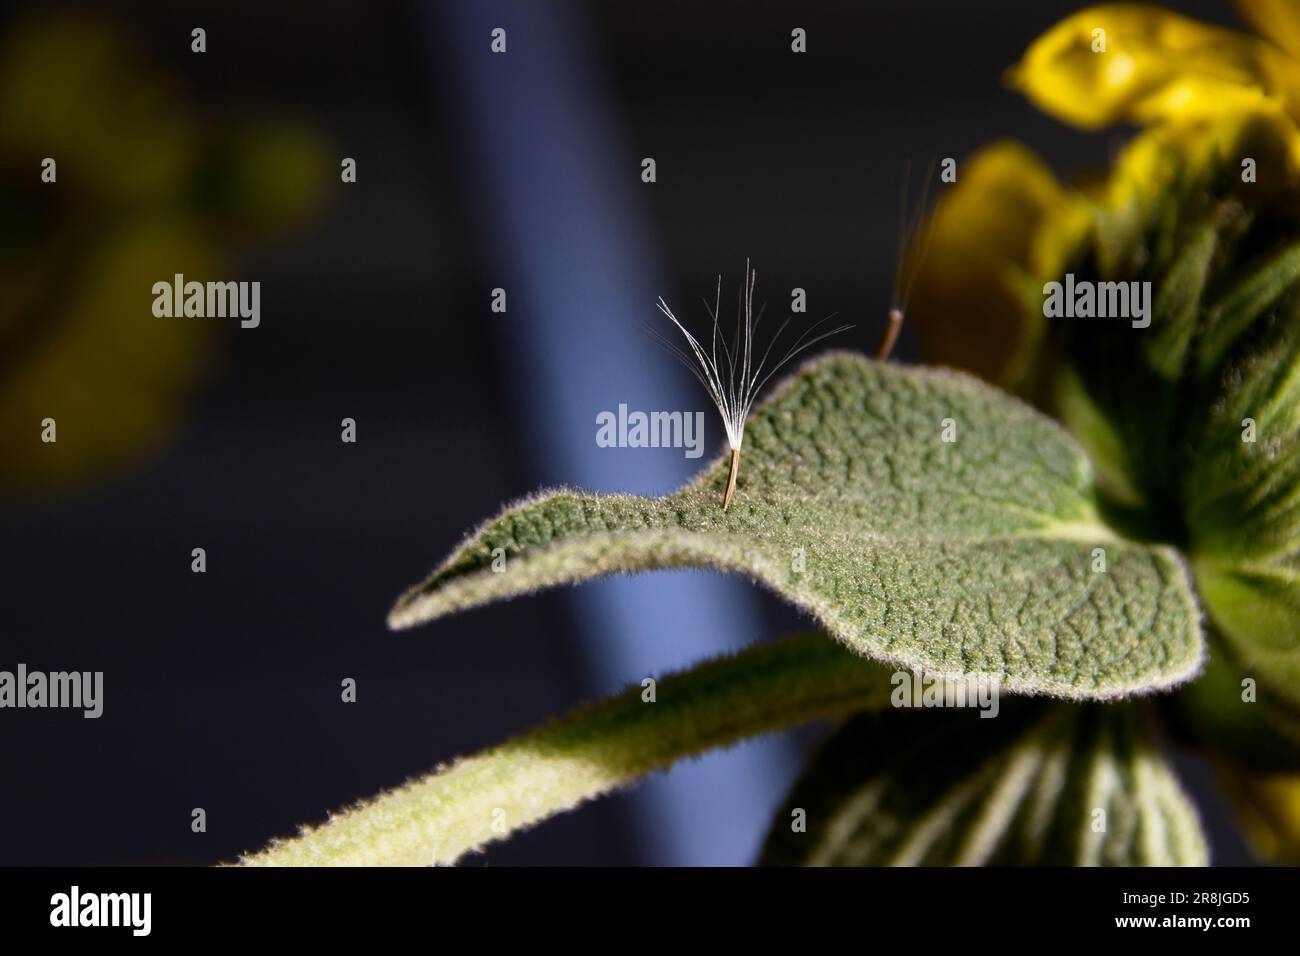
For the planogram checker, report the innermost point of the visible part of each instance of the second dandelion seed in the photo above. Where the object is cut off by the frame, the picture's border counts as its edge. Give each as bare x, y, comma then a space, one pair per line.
734, 383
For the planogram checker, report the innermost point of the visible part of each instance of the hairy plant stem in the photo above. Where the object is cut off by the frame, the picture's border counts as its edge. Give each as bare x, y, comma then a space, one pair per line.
591, 751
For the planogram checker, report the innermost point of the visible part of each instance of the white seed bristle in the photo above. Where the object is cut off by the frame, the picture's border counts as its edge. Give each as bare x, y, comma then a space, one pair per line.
734, 384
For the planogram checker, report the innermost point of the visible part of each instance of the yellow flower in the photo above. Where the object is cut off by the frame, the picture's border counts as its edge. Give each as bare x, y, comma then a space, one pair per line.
1008, 225
1138, 64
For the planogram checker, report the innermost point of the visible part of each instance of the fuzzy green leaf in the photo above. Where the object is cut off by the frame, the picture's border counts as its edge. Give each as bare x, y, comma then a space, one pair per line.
1043, 784
591, 751
970, 556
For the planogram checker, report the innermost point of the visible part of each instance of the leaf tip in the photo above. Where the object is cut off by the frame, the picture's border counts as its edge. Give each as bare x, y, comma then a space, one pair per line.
412, 608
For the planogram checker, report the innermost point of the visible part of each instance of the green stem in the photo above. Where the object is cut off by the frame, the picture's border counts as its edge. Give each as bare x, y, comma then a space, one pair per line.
591, 751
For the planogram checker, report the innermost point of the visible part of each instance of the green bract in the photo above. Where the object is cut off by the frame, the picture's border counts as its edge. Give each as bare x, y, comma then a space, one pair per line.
1041, 785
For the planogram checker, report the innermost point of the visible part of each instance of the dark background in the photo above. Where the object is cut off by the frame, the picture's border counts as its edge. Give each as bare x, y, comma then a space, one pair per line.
222, 690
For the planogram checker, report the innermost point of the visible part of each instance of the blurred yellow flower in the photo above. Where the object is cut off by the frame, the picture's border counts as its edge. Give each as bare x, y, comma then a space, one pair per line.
145, 189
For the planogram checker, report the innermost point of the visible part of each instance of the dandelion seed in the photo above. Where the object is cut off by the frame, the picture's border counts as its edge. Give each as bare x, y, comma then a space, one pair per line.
734, 383
906, 267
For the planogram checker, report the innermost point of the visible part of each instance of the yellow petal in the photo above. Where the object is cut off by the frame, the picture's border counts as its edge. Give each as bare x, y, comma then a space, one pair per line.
1155, 158
1279, 20
1130, 63
993, 238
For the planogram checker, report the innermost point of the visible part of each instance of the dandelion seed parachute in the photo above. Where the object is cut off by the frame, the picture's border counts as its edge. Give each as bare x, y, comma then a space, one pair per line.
734, 383
908, 264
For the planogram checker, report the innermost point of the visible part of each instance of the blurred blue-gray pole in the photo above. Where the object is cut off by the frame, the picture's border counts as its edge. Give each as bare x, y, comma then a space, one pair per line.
560, 199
